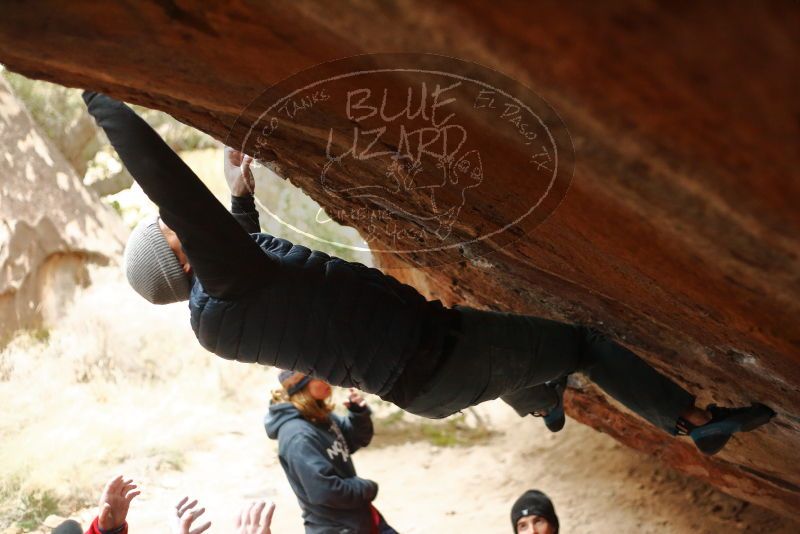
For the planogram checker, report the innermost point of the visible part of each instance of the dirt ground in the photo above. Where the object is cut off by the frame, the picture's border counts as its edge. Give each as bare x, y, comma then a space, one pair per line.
597, 485
132, 392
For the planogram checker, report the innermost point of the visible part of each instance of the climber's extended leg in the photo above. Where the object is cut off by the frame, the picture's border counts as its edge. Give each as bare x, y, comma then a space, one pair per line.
496, 354
510, 356
653, 396
711, 437
617, 371
633, 382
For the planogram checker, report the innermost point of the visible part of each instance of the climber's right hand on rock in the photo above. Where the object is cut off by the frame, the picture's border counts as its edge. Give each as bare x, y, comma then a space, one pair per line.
237, 172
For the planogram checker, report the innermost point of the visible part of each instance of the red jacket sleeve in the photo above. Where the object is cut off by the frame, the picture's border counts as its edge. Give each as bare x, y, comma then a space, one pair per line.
94, 529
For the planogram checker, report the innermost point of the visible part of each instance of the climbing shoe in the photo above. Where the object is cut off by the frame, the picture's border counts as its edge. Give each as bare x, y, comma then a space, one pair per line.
554, 418
714, 435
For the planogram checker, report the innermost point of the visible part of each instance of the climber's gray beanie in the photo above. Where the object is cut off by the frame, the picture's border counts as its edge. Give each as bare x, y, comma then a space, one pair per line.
152, 268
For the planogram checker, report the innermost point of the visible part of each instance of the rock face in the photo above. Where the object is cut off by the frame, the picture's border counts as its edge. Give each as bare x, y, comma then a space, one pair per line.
51, 226
677, 236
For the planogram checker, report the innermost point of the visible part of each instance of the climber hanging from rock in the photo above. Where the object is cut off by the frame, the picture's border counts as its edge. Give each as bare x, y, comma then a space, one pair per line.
260, 299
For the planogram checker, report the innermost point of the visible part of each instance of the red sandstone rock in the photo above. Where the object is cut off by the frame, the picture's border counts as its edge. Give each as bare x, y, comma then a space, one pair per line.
678, 234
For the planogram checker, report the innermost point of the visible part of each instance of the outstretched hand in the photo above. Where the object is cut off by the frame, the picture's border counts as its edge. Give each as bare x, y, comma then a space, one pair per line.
115, 501
355, 401
237, 172
186, 515
250, 521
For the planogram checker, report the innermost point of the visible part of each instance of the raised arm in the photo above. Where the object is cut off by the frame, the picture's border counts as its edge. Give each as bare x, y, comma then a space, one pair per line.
242, 185
223, 257
244, 211
357, 426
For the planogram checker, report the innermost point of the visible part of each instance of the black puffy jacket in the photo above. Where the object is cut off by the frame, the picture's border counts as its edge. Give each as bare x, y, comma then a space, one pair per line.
341, 321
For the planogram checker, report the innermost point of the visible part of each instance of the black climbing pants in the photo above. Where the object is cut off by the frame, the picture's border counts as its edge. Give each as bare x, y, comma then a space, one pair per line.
510, 356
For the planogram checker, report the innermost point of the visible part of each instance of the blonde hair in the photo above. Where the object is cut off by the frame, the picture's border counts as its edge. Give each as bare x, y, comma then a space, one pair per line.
316, 411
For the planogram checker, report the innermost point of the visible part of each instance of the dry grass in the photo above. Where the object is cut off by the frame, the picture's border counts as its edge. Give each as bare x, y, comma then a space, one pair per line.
395, 427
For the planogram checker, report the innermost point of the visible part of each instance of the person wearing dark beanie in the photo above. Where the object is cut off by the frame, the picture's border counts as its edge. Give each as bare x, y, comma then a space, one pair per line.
533, 513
